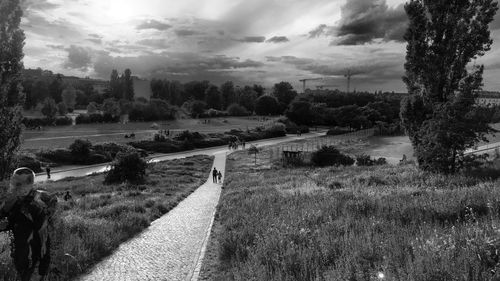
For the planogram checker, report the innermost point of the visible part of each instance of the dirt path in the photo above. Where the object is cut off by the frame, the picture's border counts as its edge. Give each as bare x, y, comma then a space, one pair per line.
172, 247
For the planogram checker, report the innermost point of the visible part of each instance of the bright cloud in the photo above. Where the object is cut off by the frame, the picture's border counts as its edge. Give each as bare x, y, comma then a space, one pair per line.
258, 41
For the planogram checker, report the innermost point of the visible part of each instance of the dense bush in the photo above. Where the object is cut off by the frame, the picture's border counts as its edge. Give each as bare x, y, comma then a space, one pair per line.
329, 156
237, 110
366, 160
84, 153
96, 118
28, 162
35, 122
63, 121
274, 131
189, 140
128, 166
189, 136
338, 131
80, 148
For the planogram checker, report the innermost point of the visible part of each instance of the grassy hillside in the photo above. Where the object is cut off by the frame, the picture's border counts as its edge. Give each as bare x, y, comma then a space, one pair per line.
100, 217
353, 223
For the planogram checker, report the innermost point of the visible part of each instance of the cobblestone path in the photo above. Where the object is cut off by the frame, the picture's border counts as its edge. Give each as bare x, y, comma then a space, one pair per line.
171, 248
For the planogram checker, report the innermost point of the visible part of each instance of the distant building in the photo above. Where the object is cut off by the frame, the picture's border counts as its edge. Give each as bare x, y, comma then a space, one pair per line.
142, 88
488, 98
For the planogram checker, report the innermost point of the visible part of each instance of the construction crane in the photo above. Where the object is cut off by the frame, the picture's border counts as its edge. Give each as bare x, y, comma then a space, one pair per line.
308, 79
348, 75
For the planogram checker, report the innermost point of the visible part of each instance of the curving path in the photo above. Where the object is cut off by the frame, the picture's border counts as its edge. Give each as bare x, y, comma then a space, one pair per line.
81, 171
172, 247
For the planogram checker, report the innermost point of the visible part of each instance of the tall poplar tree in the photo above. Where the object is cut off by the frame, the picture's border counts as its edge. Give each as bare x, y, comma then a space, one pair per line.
11, 55
440, 114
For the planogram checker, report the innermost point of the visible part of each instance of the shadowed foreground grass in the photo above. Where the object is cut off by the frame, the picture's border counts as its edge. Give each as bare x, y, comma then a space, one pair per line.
353, 223
101, 217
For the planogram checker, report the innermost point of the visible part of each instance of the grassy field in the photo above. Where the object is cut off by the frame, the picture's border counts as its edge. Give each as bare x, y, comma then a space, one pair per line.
352, 223
100, 217
63, 136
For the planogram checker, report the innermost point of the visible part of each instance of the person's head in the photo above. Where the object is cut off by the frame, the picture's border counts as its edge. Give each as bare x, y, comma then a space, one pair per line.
21, 181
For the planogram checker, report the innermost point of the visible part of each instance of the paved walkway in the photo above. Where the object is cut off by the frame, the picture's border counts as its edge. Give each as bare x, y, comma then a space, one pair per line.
172, 247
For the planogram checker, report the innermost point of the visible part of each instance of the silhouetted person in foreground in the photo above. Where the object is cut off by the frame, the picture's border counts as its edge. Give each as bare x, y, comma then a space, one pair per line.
214, 175
28, 212
47, 170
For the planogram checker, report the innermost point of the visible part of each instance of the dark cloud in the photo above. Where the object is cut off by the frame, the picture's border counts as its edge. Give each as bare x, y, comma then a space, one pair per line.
95, 40
221, 32
153, 24
78, 58
252, 39
186, 32
364, 21
278, 39
60, 28
55, 47
318, 31
94, 35
156, 43
191, 65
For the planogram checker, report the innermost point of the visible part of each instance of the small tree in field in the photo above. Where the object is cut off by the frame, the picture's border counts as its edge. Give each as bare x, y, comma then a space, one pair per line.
440, 115
128, 166
11, 55
253, 150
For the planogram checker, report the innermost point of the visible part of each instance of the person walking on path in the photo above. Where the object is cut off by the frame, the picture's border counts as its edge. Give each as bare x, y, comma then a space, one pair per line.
47, 170
219, 176
214, 175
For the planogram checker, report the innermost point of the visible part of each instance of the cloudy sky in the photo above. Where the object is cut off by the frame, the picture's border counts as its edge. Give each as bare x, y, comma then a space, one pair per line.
246, 41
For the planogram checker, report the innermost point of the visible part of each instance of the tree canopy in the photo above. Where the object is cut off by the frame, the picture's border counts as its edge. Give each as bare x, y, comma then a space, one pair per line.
11, 55
440, 115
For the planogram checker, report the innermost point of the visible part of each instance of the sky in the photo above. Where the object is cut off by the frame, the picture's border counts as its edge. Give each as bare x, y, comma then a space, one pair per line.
245, 41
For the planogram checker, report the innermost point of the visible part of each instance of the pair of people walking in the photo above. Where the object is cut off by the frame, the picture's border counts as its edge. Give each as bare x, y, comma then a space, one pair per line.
216, 176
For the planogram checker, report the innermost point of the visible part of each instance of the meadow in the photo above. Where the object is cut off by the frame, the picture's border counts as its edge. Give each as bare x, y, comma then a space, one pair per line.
352, 223
100, 217
63, 136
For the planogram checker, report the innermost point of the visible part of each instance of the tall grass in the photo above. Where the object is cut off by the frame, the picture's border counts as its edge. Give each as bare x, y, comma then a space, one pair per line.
354, 223
101, 217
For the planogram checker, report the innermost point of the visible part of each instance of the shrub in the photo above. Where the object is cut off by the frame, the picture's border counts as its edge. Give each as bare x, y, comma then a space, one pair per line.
29, 162
80, 148
337, 131
237, 110
329, 155
276, 130
189, 136
128, 166
56, 156
365, 160
64, 121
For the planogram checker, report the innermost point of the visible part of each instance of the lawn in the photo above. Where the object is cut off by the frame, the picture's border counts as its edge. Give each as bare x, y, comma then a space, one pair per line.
352, 223
61, 137
100, 217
